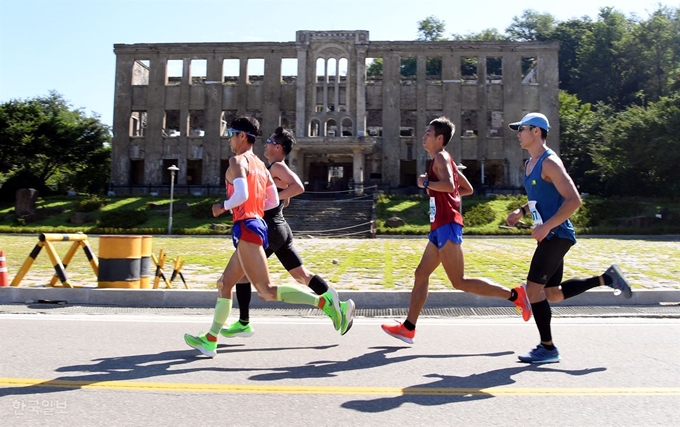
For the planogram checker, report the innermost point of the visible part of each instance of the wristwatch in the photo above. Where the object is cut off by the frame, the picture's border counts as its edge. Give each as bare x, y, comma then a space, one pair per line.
426, 183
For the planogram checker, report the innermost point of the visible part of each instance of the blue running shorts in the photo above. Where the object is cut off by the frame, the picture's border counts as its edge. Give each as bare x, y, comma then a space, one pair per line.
253, 230
450, 231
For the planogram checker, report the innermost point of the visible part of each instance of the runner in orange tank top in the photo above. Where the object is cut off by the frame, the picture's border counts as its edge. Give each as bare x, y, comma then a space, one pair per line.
257, 179
251, 191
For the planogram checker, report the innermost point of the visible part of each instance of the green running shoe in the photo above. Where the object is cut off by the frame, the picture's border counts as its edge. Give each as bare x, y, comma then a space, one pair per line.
238, 329
202, 344
347, 309
332, 307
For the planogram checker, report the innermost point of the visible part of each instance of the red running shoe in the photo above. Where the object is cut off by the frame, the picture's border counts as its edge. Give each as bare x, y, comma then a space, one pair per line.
522, 303
400, 332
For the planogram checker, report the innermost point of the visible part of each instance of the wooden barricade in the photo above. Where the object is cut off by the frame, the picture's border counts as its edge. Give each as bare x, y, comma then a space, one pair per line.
45, 240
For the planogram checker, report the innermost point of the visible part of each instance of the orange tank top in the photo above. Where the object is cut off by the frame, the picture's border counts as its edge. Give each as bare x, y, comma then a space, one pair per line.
257, 180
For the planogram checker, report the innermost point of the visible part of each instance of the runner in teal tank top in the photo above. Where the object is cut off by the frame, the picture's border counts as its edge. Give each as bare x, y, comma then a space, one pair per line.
553, 198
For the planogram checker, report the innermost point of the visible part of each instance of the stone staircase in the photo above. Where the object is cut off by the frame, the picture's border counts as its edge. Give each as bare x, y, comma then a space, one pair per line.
330, 217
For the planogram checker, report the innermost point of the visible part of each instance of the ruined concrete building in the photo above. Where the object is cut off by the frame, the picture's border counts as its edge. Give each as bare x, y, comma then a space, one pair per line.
358, 108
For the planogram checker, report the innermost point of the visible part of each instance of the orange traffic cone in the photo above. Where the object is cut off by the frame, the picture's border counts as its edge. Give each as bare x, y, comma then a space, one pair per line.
4, 279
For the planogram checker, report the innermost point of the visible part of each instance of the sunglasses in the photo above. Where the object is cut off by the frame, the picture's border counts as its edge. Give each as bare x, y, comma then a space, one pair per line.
271, 141
521, 128
231, 132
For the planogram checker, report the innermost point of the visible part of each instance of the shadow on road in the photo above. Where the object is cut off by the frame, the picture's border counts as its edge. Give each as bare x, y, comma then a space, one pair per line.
454, 389
139, 366
329, 368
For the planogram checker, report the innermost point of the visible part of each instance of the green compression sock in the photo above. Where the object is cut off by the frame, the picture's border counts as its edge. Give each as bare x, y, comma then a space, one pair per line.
222, 310
296, 294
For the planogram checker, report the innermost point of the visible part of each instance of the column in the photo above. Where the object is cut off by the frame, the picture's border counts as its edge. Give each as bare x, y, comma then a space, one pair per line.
482, 161
300, 95
212, 141
421, 114
360, 122
391, 118
359, 164
120, 170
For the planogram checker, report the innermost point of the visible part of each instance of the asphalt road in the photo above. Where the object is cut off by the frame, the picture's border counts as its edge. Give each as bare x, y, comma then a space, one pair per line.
135, 369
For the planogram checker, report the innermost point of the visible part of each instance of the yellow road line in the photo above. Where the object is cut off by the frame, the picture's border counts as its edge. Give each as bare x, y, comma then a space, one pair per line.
383, 391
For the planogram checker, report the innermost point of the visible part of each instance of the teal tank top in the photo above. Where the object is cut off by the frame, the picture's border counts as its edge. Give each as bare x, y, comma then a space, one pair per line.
547, 200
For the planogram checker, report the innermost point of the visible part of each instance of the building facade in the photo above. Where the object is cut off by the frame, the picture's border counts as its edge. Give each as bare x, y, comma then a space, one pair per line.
358, 107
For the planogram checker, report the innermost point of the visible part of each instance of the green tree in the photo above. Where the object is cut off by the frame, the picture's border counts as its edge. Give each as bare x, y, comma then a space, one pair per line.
531, 26
431, 29
488, 35
604, 72
658, 39
639, 150
570, 34
46, 138
375, 68
576, 138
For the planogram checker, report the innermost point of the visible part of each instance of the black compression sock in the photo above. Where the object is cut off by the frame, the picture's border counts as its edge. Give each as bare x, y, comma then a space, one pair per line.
318, 285
573, 287
243, 294
513, 295
542, 316
408, 325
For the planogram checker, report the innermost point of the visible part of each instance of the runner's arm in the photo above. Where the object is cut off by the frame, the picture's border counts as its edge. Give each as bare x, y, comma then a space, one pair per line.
554, 171
287, 180
442, 168
272, 199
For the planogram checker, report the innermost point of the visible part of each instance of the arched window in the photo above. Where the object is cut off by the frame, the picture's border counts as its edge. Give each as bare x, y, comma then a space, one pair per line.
342, 69
314, 127
320, 70
332, 68
347, 127
331, 128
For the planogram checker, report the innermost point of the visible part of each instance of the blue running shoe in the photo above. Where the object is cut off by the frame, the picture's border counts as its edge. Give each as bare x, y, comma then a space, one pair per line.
541, 355
619, 283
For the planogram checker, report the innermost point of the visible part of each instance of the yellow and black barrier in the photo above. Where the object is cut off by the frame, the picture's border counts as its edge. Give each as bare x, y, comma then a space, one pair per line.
177, 271
145, 265
45, 240
160, 262
120, 261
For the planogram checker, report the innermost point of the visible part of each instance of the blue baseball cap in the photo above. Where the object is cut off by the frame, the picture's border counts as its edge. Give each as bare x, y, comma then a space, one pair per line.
532, 119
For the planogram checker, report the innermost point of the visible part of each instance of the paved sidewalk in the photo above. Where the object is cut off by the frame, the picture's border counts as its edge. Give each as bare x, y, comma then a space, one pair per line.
364, 299
665, 312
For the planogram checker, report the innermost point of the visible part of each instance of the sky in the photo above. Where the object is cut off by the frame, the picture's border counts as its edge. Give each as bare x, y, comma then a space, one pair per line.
67, 45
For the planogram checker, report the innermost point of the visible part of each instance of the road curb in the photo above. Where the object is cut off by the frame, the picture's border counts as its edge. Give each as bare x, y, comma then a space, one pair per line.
200, 298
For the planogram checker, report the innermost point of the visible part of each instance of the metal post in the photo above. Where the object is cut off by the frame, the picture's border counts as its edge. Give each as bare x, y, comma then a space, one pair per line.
172, 170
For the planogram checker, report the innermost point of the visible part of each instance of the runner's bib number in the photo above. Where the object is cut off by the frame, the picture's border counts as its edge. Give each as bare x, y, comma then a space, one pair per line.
534, 213
433, 209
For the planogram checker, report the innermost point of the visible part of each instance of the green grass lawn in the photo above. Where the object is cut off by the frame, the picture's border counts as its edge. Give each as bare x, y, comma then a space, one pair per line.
382, 263
157, 223
483, 216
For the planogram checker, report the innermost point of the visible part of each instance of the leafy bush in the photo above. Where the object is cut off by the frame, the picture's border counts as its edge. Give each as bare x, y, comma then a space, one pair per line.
202, 210
514, 202
479, 215
123, 218
19, 180
581, 218
607, 211
90, 204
